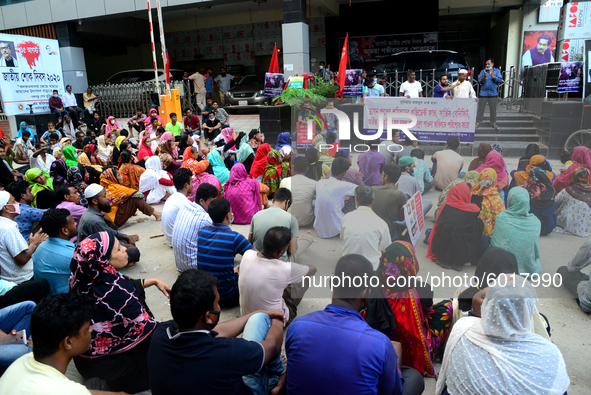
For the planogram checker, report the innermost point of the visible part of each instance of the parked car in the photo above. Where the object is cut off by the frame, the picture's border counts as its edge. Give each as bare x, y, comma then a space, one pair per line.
432, 63
248, 91
143, 75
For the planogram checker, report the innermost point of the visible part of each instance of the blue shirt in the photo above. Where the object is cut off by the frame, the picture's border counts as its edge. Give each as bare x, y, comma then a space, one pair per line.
338, 344
51, 261
437, 91
217, 245
208, 84
489, 86
377, 90
26, 218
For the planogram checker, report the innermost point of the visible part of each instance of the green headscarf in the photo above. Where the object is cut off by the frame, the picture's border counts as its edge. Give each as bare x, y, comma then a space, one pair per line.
219, 167
472, 175
69, 153
30, 175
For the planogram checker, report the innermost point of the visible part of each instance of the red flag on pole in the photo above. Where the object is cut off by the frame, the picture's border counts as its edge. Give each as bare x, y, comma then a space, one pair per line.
274, 66
343, 64
167, 69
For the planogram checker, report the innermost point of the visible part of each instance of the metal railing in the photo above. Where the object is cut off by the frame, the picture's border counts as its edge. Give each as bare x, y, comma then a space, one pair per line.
538, 80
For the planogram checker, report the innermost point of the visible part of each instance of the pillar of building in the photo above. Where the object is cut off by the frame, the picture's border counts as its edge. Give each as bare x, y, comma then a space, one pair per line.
295, 35
72, 55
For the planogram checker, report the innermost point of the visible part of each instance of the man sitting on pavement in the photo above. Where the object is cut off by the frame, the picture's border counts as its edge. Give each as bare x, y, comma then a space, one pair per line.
389, 201
176, 128
137, 122
191, 218
217, 245
52, 258
302, 207
183, 183
268, 282
191, 123
93, 221
211, 127
277, 215
337, 343
70, 200
363, 231
217, 362
28, 215
447, 164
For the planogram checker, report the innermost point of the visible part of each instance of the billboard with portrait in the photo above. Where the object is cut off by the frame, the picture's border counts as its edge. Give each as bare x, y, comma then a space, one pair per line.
274, 84
570, 77
353, 83
31, 69
539, 47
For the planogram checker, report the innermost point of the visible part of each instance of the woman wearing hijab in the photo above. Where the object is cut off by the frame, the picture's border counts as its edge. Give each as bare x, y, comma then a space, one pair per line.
581, 158
104, 150
117, 150
169, 147
541, 199
66, 141
470, 179
276, 170
486, 195
59, 171
496, 264
536, 161
244, 152
41, 186
483, 150
421, 327
498, 353
155, 183
283, 139
76, 178
145, 148
124, 201
531, 150
244, 194
219, 168
122, 322
24, 126
316, 169
190, 161
257, 170
130, 173
456, 237
89, 161
495, 161
70, 156
154, 114
113, 127
518, 231
573, 205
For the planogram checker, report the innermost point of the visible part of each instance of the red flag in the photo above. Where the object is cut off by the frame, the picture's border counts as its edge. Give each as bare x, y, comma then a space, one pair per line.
167, 68
274, 66
343, 65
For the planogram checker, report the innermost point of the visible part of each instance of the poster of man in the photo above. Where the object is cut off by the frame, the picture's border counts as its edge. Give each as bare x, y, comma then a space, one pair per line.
8, 54
274, 84
353, 83
538, 47
570, 77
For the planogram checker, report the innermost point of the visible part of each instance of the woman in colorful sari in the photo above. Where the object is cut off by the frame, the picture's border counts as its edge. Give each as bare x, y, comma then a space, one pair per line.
536, 161
122, 322
541, 199
113, 127
169, 147
518, 231
244, 152
470, 179
581, 158
219, 167
90, 163
104, 150
257, 170
498, 353
532, 149
42, 188
488, 198
495, 161
130, 173
155, 183
456, 238
573, 205
483, 150
124, 201
275, 171
59, 171
145, 148
421, 327
70, 156
244, 194
190, 161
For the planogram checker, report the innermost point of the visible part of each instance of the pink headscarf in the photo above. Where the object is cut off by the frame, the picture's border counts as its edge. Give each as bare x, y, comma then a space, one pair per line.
495, 161
227, 135
109, 128
164, 139
581, 158
243, 193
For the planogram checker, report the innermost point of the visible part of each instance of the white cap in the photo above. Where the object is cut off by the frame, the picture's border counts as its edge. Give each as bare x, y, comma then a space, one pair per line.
92, 190
4, 198
463, 71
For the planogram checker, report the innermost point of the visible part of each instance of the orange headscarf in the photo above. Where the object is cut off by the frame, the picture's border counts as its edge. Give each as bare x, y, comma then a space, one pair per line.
189, 162
534, 161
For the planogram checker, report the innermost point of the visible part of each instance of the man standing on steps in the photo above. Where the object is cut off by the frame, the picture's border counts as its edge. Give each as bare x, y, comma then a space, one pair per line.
489, 79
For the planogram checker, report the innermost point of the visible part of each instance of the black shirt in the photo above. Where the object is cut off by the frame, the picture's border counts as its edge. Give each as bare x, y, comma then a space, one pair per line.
212, 123
199, 362
77, 144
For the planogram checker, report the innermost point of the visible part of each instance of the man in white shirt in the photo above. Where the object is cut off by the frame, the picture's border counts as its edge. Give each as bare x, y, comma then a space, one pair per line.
190, 218
15, 252
223, 80
330, 200
411, 88
363, 231
41, 158
463, 89
199, 88
61, 329
304, 193
183, 182
267, 280
70, 103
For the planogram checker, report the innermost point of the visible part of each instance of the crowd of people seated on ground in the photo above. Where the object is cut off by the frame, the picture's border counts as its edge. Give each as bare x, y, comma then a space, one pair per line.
62, 253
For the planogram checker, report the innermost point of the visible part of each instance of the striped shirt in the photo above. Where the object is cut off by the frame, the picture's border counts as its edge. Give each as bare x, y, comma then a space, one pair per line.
218, 245
190, 219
